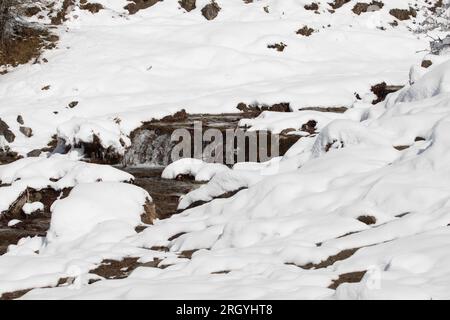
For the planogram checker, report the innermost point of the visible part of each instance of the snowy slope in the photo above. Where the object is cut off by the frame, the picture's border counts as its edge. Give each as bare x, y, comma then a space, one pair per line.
367, 197
124, 69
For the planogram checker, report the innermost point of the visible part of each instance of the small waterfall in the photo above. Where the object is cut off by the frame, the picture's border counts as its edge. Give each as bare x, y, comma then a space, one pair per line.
149, 148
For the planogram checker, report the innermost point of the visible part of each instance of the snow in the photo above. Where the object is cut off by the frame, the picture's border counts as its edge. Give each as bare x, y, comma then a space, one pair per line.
287, 213
89, 206
30, 208
200, 170
212, 71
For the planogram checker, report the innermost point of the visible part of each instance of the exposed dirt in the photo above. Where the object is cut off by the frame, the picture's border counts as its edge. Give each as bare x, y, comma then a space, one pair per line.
351, 277
26, 45
343, 255
113, 269
381, 90
60, 16
137, 5
309, 127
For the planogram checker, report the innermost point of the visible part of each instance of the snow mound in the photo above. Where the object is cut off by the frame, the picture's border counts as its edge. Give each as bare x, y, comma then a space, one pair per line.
110, 204
200, 170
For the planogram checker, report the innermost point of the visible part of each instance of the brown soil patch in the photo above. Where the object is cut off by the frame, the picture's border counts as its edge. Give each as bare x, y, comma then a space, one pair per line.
351, 277
61, 14
343, 255
113, 269
26, 46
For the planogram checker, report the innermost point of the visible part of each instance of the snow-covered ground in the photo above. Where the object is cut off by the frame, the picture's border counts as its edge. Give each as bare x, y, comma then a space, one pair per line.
374, 181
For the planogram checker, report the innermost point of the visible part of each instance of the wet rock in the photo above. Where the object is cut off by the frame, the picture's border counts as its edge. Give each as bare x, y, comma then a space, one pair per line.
45, 88
403, 14
187, 5
6, 133
149, 214
210, 11
426, 63
34, 153
26, 131
381, 90
305, 31
310, 126
137, 5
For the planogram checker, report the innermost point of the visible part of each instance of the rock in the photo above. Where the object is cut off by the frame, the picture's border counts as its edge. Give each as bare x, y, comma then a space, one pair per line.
73, 104
361, 7
210, 11
286, 131
92, 7
45, 88
310, 126
149, 214
187, 5
34, 153
5, 132
305, 31
27, 131
338, 3
313, 6
20, 119
137, 5
426, 63
403, 14
278, 46
439, 46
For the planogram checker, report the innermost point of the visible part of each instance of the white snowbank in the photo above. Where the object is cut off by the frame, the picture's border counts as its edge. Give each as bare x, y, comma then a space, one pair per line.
200, 170
116, 205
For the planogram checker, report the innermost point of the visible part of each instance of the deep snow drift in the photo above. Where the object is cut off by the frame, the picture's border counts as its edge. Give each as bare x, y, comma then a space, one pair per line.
366, 197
